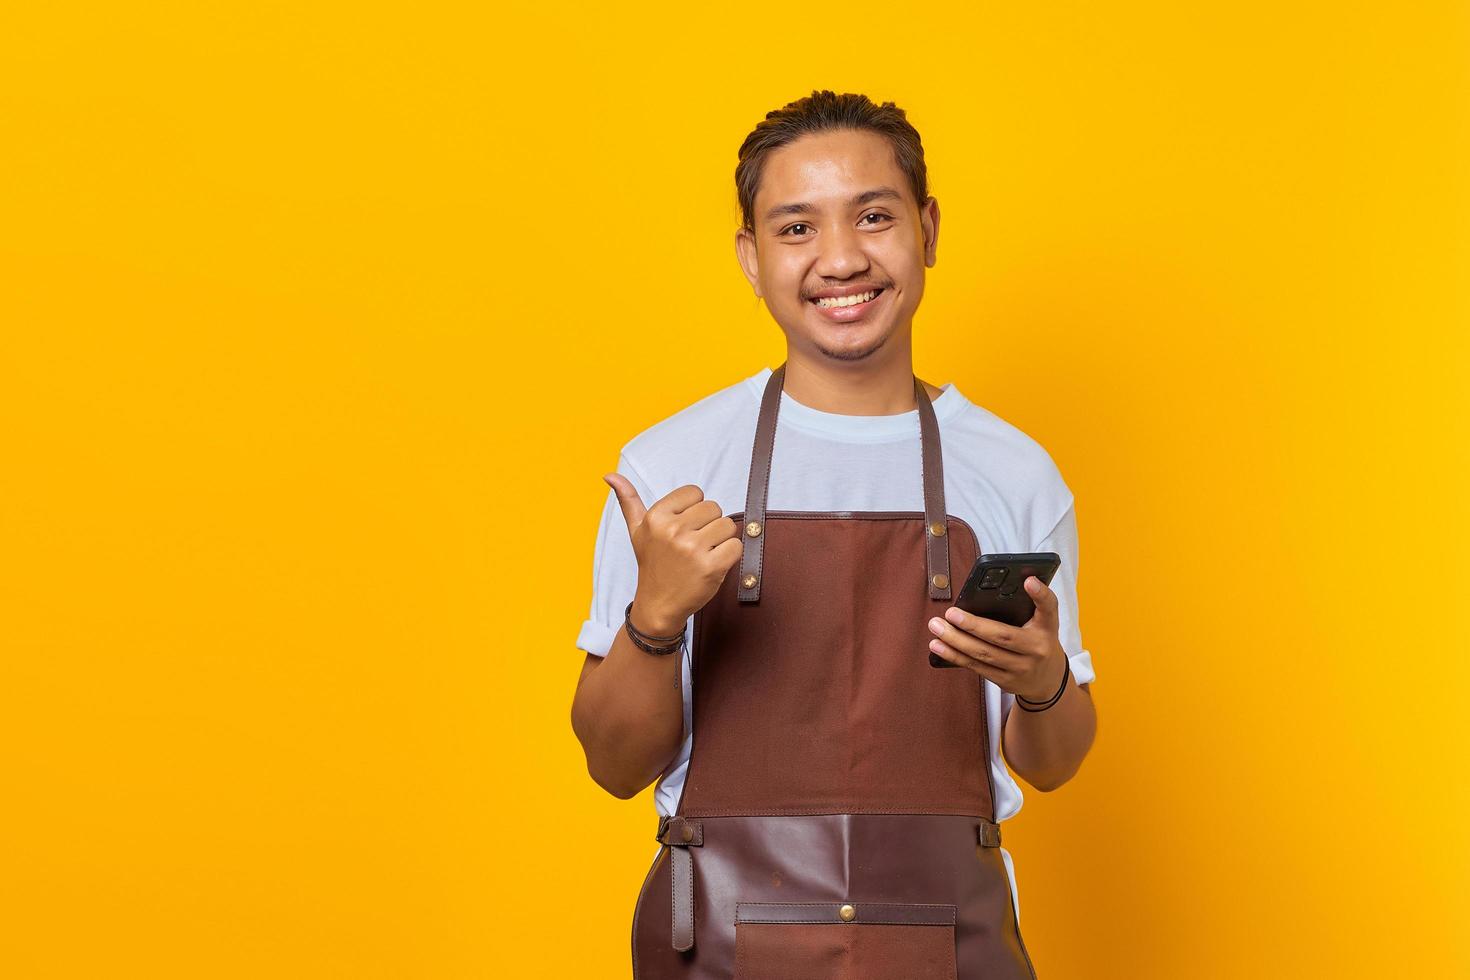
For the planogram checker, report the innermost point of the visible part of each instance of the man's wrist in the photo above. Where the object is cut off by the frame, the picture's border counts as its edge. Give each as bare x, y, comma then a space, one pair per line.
1038, 697
647, 618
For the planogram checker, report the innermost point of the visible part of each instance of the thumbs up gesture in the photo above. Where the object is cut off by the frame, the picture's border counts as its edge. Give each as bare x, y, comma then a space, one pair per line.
684, 546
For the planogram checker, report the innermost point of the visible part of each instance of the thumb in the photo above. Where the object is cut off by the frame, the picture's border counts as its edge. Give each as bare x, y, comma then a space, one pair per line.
1043, 597
628, 499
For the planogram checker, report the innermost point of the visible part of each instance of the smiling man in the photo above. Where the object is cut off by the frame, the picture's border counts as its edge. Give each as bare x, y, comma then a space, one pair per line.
759, 635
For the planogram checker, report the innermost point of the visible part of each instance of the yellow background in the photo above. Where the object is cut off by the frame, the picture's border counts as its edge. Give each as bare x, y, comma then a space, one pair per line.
321, 324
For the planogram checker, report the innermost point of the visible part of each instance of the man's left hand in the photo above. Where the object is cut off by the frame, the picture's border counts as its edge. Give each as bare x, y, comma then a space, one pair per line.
1025, 660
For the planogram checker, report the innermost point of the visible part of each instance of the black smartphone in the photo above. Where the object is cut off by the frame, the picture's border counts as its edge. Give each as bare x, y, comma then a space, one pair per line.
994, 590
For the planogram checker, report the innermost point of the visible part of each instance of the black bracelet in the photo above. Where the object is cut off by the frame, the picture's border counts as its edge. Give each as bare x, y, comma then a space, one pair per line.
1043, 705
656, 645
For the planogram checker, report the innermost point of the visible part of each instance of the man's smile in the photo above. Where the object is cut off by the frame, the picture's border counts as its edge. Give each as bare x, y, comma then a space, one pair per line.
845, 305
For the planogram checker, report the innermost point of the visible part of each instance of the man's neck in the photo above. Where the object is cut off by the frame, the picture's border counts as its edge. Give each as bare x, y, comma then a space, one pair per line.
886, 389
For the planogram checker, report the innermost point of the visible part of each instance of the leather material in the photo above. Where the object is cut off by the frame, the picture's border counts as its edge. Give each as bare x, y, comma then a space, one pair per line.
831, 765
934, 512
833, 859
819, 698
823, 951
937, 546
680, 835
676, 829
682, 881
912, 914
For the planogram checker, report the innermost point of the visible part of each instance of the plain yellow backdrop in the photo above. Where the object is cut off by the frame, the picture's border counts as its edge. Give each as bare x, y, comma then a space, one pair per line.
322, 322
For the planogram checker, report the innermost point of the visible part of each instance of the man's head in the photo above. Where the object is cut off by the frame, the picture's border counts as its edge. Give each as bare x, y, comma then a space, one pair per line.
834, 199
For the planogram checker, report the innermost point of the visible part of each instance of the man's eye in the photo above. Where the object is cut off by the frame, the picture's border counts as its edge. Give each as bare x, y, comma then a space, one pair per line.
789, 229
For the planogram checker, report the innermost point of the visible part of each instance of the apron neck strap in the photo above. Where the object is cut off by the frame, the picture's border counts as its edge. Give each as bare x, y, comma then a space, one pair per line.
931, 459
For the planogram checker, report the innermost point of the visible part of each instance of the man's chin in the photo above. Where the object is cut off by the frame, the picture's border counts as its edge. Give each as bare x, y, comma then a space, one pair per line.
850, 352
854, 341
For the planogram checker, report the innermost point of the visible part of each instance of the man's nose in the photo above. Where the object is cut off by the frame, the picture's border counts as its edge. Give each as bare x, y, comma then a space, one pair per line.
841, 254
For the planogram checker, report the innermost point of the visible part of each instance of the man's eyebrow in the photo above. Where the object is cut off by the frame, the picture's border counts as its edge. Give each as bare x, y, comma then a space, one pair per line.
866, 197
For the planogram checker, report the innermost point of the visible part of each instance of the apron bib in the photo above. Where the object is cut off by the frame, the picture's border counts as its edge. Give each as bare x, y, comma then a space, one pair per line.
837, 817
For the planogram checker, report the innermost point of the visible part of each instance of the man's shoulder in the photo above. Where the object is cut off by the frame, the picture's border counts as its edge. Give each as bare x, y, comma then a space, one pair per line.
702, 426
983, 438
1006, 467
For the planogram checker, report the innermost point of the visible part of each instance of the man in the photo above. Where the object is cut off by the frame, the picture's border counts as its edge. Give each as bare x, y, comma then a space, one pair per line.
837, 774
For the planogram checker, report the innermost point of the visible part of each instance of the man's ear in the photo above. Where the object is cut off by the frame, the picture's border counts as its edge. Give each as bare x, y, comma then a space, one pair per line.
745, 251
929, 221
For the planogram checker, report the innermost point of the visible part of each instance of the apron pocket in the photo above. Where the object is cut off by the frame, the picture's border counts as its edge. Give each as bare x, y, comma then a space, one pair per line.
831, 940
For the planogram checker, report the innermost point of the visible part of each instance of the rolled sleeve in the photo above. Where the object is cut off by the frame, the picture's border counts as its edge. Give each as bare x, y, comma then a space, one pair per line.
1063, 540
614, 569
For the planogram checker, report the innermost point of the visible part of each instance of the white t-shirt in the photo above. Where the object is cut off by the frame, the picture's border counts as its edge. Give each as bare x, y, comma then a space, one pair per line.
996, 478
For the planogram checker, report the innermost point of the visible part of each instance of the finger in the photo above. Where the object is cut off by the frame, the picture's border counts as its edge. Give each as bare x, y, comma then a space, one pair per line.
974, 647
678, 500
1046, 602
728, 553
698, 515
988, 671
628, 499
717, 532
992, 631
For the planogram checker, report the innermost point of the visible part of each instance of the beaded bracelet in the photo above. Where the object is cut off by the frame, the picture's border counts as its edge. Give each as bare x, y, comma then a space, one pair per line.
657, 645
1043, 705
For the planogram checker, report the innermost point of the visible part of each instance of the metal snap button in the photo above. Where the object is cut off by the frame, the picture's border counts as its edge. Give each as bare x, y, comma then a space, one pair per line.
688, 833
753, 529
941, 580
847, 912
937, 529
748, 581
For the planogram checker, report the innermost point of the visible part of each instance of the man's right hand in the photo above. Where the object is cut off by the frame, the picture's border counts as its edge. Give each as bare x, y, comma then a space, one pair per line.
684, 548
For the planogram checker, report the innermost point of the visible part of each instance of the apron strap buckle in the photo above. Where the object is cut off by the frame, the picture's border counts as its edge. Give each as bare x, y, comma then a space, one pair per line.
987, 832
678, 833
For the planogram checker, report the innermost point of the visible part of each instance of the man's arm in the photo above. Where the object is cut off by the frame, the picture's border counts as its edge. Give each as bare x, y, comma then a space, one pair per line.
628, 711
1046, 748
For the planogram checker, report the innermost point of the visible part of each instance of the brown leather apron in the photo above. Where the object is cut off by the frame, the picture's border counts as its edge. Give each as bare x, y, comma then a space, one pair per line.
837, 817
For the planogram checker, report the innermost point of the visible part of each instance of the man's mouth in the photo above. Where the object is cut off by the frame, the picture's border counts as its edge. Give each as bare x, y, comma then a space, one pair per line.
843, 309
836, 302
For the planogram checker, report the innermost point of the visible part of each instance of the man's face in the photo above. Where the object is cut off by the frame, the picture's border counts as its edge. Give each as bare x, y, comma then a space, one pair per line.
835, 217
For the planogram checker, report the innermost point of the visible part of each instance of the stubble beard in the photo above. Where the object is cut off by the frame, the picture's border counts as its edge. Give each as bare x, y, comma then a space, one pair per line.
851, 353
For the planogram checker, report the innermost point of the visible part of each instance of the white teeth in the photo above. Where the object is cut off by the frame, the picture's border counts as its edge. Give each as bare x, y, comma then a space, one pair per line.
831, 302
